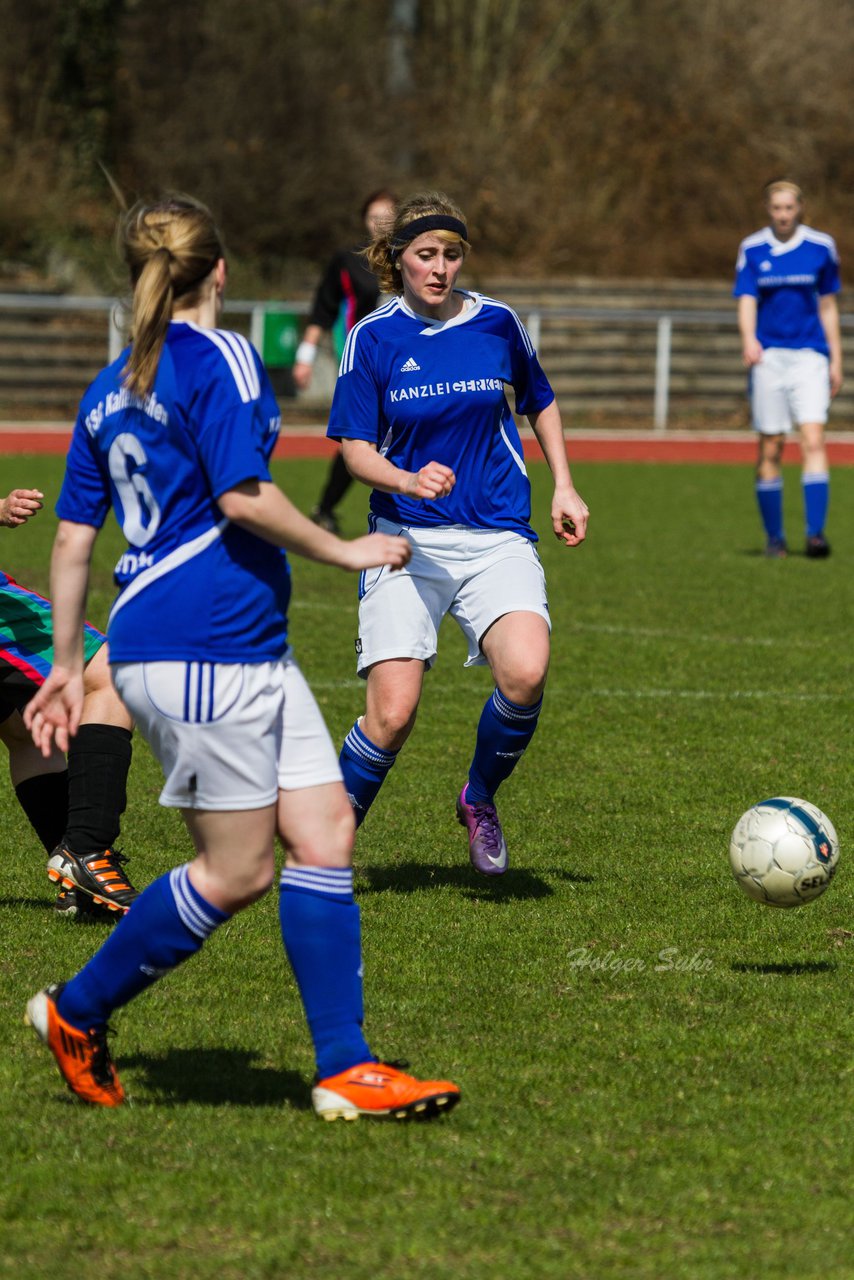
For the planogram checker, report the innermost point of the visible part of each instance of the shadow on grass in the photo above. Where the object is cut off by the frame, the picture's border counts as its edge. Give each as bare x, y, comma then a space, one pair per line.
786, 967
758, 553
217, 1077
31, 904
105, 920
409, 877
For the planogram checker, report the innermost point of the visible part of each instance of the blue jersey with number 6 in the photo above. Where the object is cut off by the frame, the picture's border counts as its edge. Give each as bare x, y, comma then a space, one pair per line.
192, 586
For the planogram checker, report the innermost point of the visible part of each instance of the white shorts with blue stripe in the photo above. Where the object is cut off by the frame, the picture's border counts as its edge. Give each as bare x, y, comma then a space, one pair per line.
229, 736
475, 575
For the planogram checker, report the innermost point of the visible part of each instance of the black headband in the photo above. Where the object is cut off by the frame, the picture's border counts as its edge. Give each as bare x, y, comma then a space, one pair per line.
429, 222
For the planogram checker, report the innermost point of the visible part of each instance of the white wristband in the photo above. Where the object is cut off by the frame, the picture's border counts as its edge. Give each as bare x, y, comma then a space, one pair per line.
306, 352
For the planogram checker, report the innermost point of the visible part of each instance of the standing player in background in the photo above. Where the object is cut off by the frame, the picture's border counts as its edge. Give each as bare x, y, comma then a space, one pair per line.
74, 806
786, 282
176, 436
348, 290
421, 411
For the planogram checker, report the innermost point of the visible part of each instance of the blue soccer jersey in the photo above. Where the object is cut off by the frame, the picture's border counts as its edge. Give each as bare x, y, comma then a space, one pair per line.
425, 391
787, 277
193, 587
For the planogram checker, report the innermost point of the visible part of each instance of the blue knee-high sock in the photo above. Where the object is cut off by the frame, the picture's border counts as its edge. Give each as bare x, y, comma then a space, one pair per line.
816, 485
323, 940
166, 925
364, 766
504, 731
769, 495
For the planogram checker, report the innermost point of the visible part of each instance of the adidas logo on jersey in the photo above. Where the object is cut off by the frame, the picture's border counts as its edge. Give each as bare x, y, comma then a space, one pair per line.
410, 367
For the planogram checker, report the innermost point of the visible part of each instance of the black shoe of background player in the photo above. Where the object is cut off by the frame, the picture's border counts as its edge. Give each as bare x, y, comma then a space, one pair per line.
325, 519
72, 905
98, 876
818, 548
776, 549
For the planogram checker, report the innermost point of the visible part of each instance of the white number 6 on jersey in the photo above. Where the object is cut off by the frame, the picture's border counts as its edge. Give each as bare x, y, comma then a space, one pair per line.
133, 487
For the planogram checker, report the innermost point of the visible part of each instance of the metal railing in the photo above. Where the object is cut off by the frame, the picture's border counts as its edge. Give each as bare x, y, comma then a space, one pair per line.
664, 321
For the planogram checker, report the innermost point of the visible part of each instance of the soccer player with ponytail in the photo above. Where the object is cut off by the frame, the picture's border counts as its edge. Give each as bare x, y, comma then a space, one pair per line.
176, 436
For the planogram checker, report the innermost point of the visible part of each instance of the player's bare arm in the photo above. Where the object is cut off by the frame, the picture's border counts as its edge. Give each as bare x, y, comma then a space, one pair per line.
263, 509
434, 480
751, 348
569, 511
828, 310
53, 715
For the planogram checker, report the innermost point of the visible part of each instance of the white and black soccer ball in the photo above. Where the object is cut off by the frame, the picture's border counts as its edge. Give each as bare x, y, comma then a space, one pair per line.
784, 852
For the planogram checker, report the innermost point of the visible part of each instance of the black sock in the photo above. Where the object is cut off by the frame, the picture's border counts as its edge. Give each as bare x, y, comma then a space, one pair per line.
44, 799
98, 764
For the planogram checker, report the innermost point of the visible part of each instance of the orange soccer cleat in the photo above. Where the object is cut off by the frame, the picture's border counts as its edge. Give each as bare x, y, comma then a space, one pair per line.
99, 875
82, 1056
381, 1089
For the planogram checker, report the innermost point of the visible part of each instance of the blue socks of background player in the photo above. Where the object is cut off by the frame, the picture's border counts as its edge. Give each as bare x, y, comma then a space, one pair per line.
504, 731
322, 936
769, 495
364, 766
167, 924
816, 486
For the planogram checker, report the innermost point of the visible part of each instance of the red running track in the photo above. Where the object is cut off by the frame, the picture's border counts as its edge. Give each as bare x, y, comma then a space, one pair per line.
616, 446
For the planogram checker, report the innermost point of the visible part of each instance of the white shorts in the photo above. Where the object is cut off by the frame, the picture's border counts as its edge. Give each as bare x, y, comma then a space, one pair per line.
475, 575
229, 735
788, 388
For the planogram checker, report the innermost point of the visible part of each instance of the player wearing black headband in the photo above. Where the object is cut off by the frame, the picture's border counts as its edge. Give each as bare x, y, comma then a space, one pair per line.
421, 410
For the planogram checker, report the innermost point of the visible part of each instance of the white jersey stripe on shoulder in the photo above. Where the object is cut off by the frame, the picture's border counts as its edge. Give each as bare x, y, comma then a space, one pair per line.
243, 351
750, 242
174, 559
349, 354
502, 306
822, 238
216, 337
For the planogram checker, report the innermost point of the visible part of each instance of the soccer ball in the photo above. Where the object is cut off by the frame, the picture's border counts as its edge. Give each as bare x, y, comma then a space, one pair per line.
784, 852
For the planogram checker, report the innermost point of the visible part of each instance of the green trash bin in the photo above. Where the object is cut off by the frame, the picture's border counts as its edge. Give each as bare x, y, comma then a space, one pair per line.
281, 339
280, 335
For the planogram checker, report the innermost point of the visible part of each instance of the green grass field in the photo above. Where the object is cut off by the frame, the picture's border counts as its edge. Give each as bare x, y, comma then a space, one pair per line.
657, 1073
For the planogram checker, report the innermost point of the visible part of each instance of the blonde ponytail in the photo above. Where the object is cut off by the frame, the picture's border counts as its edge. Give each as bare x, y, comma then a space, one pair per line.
170, 248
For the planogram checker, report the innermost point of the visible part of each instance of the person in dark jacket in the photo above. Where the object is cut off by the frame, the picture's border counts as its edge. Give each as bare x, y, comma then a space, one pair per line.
347, 286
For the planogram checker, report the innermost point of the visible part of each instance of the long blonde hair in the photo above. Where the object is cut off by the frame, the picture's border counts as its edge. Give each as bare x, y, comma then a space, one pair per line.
170, 247
380, 253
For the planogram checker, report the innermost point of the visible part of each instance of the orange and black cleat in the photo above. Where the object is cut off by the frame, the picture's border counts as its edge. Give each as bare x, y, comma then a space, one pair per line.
83, 1057
99, 875
382, 1089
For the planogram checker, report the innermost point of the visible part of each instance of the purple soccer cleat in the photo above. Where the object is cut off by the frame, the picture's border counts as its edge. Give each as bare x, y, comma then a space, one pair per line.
487, 849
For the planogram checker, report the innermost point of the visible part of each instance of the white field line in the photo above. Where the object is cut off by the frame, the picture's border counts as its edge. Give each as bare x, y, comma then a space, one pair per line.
698, 637
595, 628
722, 695
698, 695
353, 683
